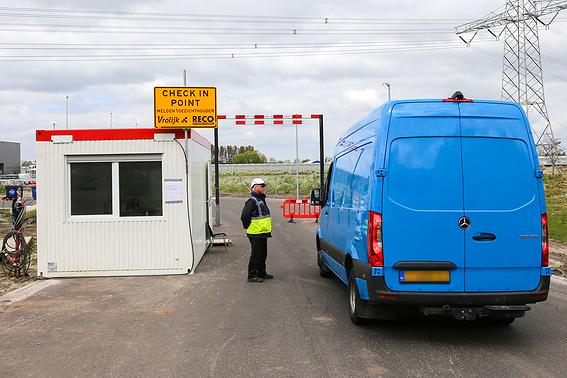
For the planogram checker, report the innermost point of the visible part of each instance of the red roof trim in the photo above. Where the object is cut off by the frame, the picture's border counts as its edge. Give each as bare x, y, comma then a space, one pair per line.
119, 134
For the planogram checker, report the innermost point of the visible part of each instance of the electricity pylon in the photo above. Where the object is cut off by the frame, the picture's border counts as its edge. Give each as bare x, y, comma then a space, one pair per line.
522, 75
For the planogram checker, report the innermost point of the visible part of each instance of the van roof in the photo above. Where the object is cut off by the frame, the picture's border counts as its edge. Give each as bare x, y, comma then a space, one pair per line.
387, 107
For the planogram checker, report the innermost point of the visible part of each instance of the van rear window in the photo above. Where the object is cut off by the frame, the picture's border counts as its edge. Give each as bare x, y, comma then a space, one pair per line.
425, 173
498, 174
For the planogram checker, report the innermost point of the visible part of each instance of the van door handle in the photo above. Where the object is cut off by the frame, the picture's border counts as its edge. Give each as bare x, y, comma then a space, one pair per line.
484, 236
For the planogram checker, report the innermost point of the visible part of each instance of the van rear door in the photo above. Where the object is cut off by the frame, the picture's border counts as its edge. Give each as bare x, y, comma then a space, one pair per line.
501, 198
423, 195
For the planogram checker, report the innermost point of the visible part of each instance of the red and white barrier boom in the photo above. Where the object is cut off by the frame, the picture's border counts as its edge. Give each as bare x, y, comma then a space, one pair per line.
274, 119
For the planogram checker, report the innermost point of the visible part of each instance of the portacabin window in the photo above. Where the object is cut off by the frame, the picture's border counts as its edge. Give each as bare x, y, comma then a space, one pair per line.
140, 188
91, 188
117, 186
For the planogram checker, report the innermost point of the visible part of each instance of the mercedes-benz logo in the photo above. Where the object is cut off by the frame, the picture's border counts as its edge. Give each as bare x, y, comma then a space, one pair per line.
464, 222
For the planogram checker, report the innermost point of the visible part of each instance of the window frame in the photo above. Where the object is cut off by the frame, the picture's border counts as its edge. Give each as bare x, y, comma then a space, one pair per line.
115, 161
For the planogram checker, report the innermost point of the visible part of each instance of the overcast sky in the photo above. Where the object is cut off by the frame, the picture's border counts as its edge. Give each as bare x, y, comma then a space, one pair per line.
49, 49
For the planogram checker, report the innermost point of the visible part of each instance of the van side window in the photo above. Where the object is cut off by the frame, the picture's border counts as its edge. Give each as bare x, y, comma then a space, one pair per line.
327, 188
342, 179
361, 177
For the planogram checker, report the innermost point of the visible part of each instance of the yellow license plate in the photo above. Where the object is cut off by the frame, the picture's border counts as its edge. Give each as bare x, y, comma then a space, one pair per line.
424, 276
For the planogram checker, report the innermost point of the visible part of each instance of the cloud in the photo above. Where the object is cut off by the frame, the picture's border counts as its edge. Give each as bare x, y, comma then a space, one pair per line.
342, 87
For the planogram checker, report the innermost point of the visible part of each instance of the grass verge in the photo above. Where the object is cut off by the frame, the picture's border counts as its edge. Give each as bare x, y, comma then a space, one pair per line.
556, 199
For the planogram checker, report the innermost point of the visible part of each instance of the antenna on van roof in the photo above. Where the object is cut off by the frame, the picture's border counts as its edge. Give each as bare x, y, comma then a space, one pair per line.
458, 95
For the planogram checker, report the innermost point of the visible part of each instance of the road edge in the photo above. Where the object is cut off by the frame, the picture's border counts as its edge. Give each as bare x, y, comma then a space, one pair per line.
559, 280
24, 292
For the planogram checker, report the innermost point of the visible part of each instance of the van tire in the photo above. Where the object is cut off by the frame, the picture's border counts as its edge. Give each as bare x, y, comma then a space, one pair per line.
323, 270
355, 304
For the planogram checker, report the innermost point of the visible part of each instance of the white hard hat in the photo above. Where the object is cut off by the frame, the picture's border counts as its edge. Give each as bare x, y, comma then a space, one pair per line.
257, 181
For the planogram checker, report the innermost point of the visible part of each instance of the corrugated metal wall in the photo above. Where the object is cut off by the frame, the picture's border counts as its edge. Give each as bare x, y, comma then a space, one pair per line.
118, 246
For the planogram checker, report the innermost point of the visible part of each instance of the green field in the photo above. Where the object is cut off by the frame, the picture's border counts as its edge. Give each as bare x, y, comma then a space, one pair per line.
556, 198
278, 183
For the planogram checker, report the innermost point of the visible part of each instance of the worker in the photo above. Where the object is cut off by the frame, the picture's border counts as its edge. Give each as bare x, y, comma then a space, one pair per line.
258, 224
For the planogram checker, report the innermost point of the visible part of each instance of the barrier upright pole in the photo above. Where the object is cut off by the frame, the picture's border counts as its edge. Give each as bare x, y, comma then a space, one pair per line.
321, 154
296, 163
217, 187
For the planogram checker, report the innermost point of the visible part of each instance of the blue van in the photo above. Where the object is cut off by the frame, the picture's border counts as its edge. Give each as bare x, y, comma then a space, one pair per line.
437, 205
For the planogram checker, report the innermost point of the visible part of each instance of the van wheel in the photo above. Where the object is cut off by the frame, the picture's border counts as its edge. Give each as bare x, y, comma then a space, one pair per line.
354, 302
323, 270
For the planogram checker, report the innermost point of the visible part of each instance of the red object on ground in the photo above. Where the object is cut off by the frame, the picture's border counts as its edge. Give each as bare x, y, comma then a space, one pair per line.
300, 208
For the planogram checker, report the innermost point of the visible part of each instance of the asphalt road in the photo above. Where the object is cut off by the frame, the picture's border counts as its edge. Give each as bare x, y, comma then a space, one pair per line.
214, 323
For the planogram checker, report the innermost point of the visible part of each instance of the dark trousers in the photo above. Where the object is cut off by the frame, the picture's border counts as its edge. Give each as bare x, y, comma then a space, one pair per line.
257, 264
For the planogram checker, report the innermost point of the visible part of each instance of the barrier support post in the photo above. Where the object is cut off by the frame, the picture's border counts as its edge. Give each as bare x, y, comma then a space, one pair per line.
321, 155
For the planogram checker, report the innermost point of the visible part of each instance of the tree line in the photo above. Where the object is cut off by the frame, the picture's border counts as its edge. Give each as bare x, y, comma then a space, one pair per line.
238, 155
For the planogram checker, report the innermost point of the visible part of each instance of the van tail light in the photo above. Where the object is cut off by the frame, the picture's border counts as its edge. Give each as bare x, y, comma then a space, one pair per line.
375, 252
457, 100
457, 97
544, 241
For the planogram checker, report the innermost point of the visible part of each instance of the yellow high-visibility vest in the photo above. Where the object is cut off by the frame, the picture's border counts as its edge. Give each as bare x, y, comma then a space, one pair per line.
262, 224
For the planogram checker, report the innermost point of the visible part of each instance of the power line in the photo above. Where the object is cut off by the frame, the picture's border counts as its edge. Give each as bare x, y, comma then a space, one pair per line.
184, 16
209, 56
234, 32
34, 46
237, 19
199, 28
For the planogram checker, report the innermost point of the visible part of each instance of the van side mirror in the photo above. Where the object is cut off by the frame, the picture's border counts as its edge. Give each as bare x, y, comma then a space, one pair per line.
316, 197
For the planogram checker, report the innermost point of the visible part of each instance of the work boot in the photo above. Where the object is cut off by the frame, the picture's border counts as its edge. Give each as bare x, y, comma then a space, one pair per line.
268, 277
255, 279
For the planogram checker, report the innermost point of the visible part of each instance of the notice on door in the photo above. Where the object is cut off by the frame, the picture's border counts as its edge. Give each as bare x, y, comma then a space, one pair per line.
173, 190
185, 107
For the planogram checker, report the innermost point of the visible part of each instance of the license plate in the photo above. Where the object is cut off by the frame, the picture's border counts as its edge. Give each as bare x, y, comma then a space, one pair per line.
424, 276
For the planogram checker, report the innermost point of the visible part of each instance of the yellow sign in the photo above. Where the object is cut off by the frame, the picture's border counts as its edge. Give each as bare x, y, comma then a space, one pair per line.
185, 107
